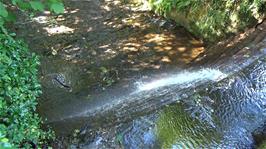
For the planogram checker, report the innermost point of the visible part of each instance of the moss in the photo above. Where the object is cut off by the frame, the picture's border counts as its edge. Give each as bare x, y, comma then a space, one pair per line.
171, 131
262, 146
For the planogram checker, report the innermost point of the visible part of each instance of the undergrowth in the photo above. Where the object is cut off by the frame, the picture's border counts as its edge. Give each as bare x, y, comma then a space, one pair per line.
213, 19
20, 125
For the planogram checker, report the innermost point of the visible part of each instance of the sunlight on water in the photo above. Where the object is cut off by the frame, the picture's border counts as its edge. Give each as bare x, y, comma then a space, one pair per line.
183, 78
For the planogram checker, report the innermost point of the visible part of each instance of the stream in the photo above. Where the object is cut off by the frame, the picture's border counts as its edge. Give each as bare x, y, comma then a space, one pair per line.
196, 108
199, 109
114, 75
227, 114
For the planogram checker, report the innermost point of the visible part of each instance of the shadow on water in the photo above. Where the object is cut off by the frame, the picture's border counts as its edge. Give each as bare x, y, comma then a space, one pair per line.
97, 43
100, 42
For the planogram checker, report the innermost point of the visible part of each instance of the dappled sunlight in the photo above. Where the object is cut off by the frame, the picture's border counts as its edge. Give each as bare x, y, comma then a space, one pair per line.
166, 59
41, 19
112, 35
154, 49
181, 49
107, 8
196, 51
108, 53
158, 37
73, 11
59, 30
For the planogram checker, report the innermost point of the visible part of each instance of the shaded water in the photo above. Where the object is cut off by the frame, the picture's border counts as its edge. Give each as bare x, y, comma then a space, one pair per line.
224, 115
92, 55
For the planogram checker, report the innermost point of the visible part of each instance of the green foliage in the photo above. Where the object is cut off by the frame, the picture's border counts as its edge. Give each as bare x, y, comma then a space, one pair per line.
212, 19
37, 5
19, 89
4, 142
55, 6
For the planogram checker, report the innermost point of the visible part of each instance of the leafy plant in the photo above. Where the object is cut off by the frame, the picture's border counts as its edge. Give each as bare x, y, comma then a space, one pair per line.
20, 126
55, 6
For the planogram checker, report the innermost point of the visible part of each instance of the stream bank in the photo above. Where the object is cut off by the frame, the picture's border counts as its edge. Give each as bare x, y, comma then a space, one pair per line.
212, 21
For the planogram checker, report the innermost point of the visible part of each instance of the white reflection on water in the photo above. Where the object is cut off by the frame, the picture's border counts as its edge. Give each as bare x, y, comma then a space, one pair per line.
183, 78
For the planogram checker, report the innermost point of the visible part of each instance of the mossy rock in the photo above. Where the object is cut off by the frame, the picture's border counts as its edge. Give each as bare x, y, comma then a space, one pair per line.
213, 20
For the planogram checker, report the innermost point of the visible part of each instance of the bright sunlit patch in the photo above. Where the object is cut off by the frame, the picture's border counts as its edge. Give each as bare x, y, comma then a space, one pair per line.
74, 11
183, 78
41, 19
181, 49
59, 30
166, 59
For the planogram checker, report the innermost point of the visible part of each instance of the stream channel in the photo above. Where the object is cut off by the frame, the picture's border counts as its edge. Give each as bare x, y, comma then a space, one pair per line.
115, 75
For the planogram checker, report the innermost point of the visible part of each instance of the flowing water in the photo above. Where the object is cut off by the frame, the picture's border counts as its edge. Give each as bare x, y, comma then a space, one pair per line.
139, 98
227, 114
182, 78
205, 108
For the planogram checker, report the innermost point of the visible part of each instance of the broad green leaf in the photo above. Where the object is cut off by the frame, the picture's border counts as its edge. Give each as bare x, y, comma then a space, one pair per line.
37, 5
3, 11
57, 8
24, 5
